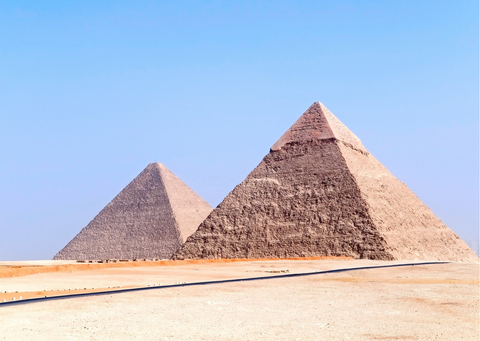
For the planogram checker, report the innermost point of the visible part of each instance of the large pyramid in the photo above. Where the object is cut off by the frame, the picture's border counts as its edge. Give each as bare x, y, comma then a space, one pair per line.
150, 218
319, 192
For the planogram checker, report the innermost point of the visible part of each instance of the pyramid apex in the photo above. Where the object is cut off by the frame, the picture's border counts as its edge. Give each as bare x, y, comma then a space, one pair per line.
155, 164
318, 123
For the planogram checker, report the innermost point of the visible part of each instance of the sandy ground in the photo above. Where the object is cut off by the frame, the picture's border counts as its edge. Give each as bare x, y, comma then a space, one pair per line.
27, 268
423, 302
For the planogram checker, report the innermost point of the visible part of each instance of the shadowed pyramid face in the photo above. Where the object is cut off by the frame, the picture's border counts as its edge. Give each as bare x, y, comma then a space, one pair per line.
150, 218
320, 193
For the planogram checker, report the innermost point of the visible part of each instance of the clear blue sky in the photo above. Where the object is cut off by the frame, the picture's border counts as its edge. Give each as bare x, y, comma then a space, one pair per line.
93, 91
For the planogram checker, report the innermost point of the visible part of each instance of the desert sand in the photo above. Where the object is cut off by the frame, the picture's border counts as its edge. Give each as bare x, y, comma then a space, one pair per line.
422, 302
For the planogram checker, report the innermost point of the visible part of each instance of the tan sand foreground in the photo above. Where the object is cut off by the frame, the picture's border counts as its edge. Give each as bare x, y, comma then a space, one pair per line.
422, 302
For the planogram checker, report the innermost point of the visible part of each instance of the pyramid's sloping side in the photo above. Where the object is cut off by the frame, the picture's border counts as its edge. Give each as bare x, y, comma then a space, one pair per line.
410, 228
340, 131
137, 223
188, 208
301, 200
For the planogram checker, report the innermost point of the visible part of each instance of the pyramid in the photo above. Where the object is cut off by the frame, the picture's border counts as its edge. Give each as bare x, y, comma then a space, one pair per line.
150, 218
319, 192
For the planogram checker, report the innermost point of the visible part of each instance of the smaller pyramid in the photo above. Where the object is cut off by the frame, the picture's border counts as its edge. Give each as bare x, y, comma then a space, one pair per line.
150, 218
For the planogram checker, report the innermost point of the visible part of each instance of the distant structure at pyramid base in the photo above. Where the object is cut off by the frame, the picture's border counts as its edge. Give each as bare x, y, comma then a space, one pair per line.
150, 218
319, 192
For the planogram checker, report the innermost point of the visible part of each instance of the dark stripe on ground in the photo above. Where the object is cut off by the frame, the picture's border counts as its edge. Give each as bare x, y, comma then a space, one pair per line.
120, 291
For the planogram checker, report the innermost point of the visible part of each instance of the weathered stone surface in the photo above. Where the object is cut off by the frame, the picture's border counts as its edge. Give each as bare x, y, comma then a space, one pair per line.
318, 123
410, 228
320, 193
150, 218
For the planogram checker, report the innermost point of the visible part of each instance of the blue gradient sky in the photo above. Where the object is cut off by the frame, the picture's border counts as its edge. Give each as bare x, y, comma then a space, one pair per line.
93, 91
